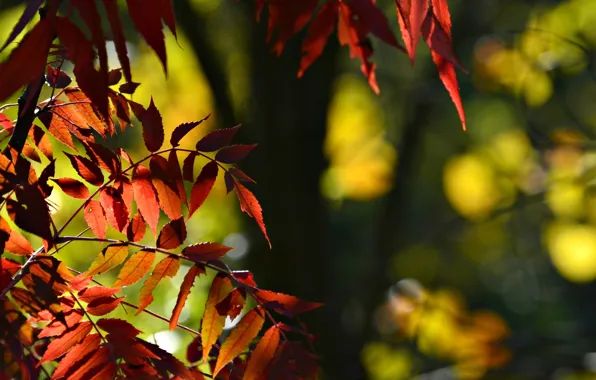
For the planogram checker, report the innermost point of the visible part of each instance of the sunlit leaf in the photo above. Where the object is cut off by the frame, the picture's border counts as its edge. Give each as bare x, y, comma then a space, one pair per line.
185, 288
168, 267
213, 323
172, 234
135, 268
107, 259
202, 186
66, 341
262, 355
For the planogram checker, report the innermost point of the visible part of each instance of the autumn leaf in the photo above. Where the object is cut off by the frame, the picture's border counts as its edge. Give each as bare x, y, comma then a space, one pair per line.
114, 207
147, 20
103, 306
250, 205
183, 129
66, 341
96, 292
15, 242
187, 284
86, 169
262, 354
30, 211
153, 131
77, 354
113, 14
135, 268
72, 187
107, 259
245, 331
213, 323
124, 187
118, 327
102, 156
240, 175
287, 305
411, 14
233, 304
57, 78
234, 153
98, 364
176, 175
168, 267
59, 326
95, 218
205, 251
188, 167
172, 234
27, 60
217, 139
144, 195
136, 228
202, 186
318, 33
289, 18
167, 191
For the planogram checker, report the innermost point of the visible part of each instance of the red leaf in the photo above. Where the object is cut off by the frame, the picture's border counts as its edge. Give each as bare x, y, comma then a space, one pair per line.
233, 304
188, 167
217, 139
262, 355
144, 195
96, 366
118, 327
167, 191
176, 175
97, 292
147, 20
183, 129
59, 326
72, 187
245, 331
102, 156
153, 133
449, 79
124, 187
113, 14
5, 122
213, 323
194, 350
172, 234
57, 78
168, 267
103, 306
411, 15
66, 341
57, 127
240, 175
120, 104
202, 186
114, 207
289, 18
107, 259
40, 140
86, 111
250, 205
287, 305
234, 153
26, 62
318, 33
77, 355
245, 277
136, 228
371, 19
135, 268
96, 219
86, 169
205, 251
187, 284
80, 52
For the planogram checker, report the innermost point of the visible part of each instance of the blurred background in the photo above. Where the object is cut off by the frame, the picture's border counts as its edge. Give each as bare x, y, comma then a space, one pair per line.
438, 254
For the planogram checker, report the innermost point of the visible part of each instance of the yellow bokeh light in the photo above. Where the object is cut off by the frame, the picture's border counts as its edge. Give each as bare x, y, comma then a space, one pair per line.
471, 186
572, 250
566, 199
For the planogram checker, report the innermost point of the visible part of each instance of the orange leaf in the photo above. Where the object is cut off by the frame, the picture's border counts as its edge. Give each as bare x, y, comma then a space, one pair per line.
167, 191
88, 113
96, 219
58, 326
172, 234
135, 268
144, 195
73, 358
168, 267
213, 323
107, 259
95, 292
16, 243
250, 205
66, 341
27, 60
262, 355
202, 186
187, 284
114, 207
136, 228
97, 366
153, 132
285, 304
57, 127
103, 306
205, 251
245, 331
72, 187
86, 169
